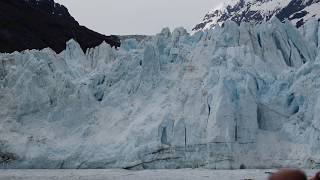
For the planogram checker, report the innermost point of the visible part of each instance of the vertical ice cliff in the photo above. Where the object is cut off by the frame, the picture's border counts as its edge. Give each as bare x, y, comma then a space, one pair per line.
236, 96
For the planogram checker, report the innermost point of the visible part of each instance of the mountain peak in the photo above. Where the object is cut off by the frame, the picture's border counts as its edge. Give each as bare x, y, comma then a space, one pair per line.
37, 24
257, 11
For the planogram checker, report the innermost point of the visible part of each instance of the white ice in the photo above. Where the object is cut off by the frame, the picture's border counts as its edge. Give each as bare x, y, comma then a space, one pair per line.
236, 96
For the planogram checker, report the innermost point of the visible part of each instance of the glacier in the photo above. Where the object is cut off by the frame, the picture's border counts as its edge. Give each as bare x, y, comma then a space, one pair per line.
232, 97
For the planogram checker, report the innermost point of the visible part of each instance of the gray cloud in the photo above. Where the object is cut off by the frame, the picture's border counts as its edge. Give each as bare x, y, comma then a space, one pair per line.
137, 16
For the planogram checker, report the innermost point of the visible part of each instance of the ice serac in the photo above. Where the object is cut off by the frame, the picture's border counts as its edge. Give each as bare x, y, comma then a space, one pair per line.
231, 97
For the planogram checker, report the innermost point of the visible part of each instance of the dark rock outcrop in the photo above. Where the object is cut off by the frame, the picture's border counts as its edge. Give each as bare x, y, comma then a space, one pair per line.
34, 24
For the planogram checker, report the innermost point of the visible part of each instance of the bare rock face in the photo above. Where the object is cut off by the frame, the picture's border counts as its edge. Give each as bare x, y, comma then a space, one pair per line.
37, 24
231, 97
257, 11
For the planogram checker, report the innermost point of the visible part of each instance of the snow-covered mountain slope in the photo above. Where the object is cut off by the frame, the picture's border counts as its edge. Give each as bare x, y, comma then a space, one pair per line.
257, 11
231, 97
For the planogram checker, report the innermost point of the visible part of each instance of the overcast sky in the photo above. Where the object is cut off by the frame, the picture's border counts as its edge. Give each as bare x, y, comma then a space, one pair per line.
125, 17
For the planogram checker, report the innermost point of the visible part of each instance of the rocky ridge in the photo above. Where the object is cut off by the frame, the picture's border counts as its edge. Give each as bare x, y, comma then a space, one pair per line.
37, 24
258, 11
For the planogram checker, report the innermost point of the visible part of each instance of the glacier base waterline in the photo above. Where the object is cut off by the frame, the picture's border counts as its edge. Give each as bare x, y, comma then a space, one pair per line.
233, 97
115, 174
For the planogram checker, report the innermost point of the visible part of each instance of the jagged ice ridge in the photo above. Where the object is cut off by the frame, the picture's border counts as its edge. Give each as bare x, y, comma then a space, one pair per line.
231, 97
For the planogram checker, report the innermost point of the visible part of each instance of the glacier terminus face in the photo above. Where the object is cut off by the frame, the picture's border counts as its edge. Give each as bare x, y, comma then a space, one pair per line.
235, 96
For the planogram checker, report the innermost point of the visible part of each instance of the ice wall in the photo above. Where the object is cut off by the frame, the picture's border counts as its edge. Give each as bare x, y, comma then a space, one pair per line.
236, 96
